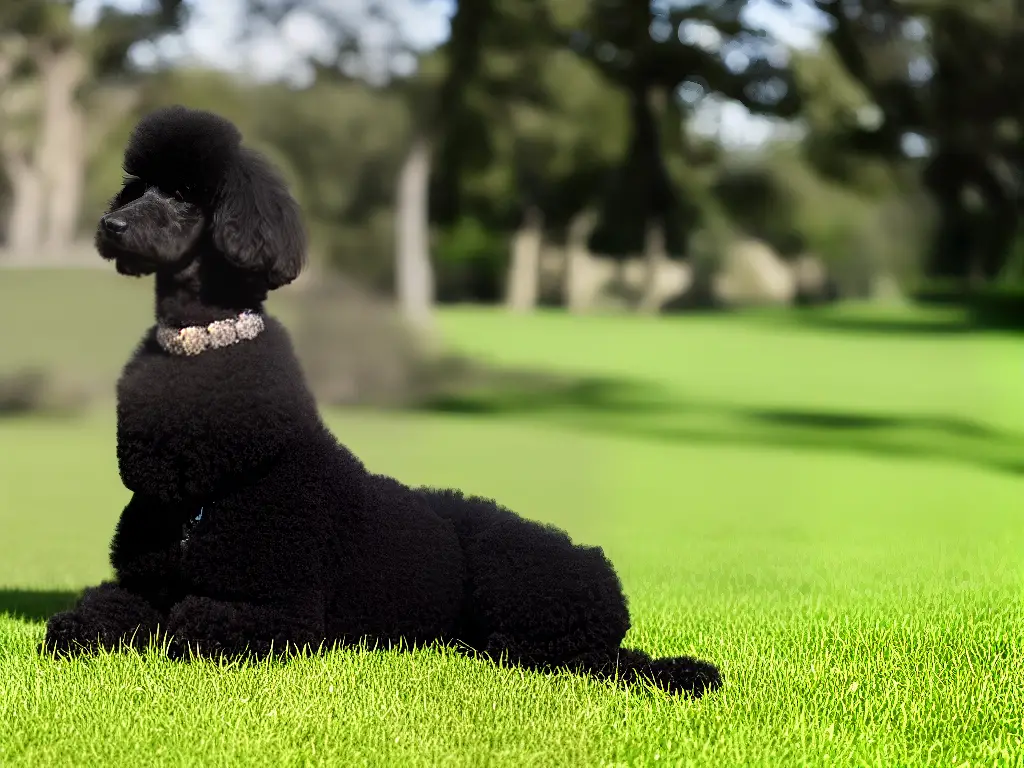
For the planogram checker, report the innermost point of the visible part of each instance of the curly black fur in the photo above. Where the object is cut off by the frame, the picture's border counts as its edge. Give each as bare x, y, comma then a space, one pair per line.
250, 529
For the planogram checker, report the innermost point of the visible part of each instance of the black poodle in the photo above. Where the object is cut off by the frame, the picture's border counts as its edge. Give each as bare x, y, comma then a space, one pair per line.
250, 529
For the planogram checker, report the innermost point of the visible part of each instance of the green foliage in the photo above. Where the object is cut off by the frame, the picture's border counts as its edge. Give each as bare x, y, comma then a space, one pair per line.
998, 307
466, 241
470, 262
46, 19
117, 31
776, 195
1013, 269
946, 72
761, 204
835, 107
545, 124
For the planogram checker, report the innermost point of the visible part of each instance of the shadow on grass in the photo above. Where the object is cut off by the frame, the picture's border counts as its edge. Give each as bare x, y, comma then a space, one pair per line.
644, 411
891, 326
1006, 456
518, 393
851, 422
34, 605
941, 321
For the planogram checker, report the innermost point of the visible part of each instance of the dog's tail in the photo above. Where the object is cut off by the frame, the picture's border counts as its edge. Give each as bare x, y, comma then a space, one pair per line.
673, 674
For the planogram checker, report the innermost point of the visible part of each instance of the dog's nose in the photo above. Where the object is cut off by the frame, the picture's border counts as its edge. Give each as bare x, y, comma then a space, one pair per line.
114, 225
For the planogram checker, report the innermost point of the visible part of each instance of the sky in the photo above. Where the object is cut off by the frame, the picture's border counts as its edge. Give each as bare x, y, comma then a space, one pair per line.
284, 52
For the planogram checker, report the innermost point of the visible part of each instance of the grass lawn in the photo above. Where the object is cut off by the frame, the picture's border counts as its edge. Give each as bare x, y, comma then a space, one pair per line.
830, 509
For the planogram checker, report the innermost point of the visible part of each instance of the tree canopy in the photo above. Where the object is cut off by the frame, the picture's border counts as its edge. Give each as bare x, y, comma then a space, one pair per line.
552, 110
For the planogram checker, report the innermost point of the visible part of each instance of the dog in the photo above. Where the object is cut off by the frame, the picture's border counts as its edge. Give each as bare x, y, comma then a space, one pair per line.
251, 530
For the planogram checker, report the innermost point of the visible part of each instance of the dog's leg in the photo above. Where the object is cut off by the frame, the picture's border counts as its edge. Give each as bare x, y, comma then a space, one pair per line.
145, 555
537, 600
146, 550
212, 628
256, 576
107, 616
534, 597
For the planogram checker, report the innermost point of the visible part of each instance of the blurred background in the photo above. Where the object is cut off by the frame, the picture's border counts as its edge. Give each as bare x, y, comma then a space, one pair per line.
760, 225
731, 288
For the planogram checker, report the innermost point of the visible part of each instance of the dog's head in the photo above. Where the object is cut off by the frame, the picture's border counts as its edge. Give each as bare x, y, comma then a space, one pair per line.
192, 191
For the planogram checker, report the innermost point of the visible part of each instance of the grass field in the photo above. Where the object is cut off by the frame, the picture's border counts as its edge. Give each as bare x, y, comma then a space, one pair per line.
829, 508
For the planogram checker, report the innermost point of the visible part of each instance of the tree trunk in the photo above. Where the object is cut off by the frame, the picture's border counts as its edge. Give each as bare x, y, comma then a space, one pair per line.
62, 145
885, 288
577, 259
414, 272
25, 222
524, 268
654, 256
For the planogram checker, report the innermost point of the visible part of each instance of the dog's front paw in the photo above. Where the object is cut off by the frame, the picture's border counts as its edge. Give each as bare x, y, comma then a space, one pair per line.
190, 627
68, 635
202, 627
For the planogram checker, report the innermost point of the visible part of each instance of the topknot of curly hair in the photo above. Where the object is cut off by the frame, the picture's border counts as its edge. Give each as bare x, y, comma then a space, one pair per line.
178, 149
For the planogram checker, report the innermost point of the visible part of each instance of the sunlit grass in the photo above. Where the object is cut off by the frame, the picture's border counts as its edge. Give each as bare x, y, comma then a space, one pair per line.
864, 604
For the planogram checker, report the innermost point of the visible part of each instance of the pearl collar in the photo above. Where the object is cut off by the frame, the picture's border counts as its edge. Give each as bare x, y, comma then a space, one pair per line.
194, 339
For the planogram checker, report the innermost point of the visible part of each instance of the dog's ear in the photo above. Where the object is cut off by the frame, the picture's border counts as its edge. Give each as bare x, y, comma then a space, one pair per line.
256, 222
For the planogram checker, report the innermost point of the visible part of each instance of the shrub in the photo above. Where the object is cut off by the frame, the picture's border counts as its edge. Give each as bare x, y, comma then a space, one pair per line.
36, 390
998, 307
940, 293
356, 350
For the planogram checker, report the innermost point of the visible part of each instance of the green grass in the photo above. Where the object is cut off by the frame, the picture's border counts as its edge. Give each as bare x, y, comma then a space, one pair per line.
828, 508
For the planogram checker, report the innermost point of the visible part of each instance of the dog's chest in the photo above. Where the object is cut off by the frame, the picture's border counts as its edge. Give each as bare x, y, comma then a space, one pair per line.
174, 425
161, 392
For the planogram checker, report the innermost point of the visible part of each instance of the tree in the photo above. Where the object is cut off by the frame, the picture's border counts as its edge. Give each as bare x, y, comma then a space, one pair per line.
947, 83
49, 70
643, 61
437, 105
655, 53
543, 129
